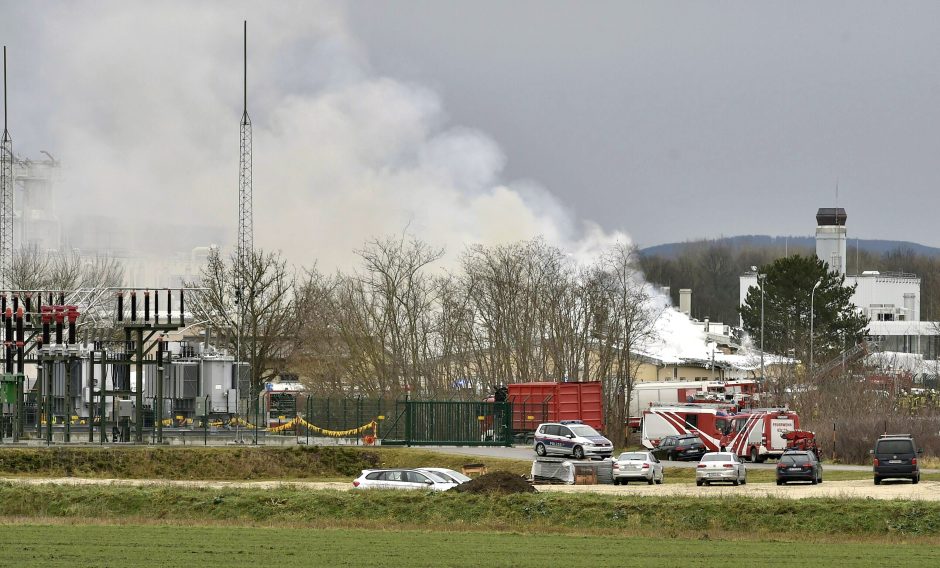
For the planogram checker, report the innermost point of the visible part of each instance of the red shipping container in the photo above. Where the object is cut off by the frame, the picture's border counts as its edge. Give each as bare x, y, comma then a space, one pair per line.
535, 403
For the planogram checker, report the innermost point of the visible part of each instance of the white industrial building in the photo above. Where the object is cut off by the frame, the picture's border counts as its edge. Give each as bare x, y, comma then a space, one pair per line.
891, 300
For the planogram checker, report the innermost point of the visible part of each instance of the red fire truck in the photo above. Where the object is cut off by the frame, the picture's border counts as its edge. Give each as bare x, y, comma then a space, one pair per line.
756, 434
710, 421
760, 433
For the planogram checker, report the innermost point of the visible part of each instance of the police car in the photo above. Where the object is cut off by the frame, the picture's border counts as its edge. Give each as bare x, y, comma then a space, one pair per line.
571, 438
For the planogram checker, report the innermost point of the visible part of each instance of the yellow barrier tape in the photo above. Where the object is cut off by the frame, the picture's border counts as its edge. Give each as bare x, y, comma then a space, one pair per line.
298, 421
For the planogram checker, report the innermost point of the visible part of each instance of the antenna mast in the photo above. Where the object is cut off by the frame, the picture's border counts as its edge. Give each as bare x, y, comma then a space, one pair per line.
245, 244
245, 230
6, 193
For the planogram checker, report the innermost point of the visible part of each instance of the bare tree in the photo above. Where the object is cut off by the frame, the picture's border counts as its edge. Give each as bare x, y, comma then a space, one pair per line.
384, 314
270, 320
625, 318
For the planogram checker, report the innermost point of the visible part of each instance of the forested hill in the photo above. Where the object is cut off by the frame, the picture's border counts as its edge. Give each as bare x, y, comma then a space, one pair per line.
873, 246
711, 268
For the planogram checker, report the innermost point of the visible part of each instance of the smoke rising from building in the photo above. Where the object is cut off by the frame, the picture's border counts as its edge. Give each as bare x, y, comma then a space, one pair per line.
140, 103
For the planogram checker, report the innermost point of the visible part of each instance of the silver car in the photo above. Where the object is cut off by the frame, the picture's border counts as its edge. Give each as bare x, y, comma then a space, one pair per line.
637, 466
720, 466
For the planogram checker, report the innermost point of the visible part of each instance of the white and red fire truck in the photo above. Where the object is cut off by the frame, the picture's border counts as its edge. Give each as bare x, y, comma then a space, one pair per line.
759, 433
710, 421
756, 434
736, 393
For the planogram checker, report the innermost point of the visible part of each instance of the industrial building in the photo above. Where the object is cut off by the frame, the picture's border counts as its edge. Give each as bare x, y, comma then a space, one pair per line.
891, 300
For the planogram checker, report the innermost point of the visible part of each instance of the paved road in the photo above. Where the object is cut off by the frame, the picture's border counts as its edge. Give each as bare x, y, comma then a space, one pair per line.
924, 491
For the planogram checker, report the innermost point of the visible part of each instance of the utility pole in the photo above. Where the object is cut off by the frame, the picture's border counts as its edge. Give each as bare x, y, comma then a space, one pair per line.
6, 193
812, 313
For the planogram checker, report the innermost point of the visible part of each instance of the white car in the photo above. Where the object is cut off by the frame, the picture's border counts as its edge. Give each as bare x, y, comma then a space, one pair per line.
450, 474
720, 466
402, 479
637, 466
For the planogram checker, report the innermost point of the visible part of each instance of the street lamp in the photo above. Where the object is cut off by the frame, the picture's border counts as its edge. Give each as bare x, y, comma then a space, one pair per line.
811, 314
760, 282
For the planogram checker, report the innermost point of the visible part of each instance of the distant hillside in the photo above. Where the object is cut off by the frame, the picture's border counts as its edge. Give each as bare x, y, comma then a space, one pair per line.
872, 246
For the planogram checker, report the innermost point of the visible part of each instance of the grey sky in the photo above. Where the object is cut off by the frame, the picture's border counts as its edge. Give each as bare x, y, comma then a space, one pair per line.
678, 120
488, 121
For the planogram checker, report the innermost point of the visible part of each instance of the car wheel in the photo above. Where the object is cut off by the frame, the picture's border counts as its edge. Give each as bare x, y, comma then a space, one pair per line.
616, 481
916, 479
779, 482
540, 449
820, 479
735, 483
699, 482
650, 481
659, 481
754, 455
578, 453
877, 481
624, 482
814, 481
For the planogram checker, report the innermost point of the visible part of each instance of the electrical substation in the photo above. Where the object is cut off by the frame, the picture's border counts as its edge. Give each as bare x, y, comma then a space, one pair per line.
118, 378
105, 365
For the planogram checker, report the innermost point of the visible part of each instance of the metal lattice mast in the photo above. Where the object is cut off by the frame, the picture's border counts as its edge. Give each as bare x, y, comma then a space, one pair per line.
6, 193
245, 244
245, 229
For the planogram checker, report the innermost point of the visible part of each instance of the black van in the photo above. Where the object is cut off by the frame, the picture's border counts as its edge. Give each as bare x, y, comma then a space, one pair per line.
895, 456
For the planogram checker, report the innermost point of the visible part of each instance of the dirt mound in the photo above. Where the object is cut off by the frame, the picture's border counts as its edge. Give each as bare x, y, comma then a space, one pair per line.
497, 482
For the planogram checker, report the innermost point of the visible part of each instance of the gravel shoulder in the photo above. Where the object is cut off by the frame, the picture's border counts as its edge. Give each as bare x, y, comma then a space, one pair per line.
856, 489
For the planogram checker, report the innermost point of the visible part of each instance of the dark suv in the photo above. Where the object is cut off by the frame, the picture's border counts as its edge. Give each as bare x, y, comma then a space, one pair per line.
895, 456
683, 447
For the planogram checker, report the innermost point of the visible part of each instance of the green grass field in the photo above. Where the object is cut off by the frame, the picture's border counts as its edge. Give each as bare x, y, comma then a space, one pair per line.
74, 545
574, 513
75, 526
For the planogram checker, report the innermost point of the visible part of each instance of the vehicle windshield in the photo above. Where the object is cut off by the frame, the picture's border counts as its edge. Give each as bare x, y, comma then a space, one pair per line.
436, 476
895, 447
449, 475
457, 475
584, 431
625, 457
715, 458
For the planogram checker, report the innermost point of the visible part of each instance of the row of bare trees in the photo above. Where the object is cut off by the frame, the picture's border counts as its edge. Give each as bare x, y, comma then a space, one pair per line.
398, 323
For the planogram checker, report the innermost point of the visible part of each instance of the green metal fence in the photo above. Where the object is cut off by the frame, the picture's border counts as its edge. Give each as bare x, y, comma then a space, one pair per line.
345, 413
449, 423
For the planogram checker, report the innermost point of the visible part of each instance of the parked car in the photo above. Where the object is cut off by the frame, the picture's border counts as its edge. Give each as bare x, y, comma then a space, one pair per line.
895, 456
799, 466
637, 466
720, 466
450, 474
682, 447
402, 479
571, 438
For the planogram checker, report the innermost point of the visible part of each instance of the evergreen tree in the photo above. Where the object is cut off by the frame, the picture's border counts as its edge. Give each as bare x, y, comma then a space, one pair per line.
788, 283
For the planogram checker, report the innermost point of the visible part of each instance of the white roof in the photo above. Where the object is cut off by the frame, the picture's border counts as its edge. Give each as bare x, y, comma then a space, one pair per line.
904, 328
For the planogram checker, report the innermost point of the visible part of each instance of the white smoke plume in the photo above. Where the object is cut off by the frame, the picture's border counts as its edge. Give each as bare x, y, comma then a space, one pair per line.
141, 102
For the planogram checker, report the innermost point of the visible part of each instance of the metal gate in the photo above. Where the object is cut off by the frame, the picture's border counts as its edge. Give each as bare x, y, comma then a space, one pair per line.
449, 423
